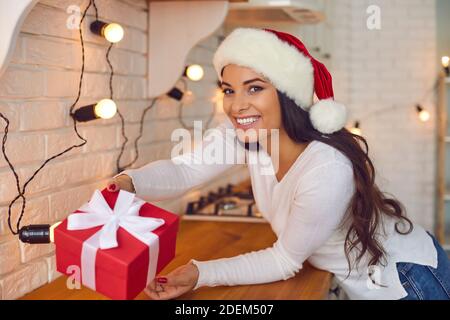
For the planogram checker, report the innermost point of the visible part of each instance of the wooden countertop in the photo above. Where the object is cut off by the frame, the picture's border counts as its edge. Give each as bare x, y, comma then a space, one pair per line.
205, 240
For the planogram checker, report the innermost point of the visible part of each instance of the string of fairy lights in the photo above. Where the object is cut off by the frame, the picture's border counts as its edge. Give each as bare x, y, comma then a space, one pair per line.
103, 109
422, 113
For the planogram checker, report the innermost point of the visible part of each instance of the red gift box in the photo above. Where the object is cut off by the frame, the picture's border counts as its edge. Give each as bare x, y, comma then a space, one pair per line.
121, 272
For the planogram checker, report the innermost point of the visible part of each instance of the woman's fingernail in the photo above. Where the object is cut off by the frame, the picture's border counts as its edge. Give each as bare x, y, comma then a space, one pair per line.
161, 279
112, 187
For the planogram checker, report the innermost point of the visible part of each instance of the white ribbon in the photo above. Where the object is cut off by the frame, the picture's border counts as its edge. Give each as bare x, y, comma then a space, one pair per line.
126, 215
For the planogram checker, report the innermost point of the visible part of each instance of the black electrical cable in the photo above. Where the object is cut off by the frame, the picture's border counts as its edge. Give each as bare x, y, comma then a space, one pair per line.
21, 193
180, 113
122, 119
96, 9
119, 169
431, 90
122, 122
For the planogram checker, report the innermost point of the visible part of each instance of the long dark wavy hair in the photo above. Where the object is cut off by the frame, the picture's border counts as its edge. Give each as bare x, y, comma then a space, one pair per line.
368, 204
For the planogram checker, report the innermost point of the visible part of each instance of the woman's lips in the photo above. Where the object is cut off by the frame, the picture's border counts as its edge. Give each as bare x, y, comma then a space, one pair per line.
249, 125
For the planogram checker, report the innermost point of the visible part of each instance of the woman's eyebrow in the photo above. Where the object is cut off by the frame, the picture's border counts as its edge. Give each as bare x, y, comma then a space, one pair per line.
245, 82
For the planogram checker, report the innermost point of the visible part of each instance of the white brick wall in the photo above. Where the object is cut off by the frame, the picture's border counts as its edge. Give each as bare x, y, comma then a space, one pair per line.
392, 67
36, 93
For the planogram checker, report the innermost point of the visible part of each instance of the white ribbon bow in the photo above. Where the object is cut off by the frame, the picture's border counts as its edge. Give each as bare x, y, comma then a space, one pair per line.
126, 215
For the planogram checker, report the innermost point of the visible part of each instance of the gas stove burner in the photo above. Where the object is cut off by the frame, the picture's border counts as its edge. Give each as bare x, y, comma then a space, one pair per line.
229, 202
227, 205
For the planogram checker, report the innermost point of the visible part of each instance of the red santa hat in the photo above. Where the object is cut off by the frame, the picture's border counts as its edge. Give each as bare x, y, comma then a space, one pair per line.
285, 61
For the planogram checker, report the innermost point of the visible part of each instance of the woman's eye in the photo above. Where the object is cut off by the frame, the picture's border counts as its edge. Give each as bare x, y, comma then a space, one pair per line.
225, 91
257, 87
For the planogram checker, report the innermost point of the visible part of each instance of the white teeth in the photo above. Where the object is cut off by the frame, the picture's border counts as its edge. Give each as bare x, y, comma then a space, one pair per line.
247, 120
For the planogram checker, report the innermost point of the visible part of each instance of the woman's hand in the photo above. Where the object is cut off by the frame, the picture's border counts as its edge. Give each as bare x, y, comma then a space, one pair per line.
174, 284
121, 182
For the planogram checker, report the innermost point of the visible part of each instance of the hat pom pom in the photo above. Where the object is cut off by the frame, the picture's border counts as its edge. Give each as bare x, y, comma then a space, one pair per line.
328, 116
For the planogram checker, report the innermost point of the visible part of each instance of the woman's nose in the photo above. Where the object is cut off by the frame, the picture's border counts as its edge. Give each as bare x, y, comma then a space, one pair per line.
239, 105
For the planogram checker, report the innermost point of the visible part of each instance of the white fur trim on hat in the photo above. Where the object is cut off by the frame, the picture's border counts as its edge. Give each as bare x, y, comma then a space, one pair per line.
328, 116
289, 70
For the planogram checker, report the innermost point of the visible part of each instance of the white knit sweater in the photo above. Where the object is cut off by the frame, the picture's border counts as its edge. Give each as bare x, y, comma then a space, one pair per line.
305, 210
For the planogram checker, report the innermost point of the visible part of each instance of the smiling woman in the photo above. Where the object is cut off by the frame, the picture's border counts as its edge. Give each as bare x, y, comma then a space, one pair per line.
322, 203
245, 121
250, 101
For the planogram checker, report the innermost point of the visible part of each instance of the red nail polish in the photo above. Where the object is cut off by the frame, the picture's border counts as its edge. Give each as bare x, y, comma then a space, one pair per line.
112, 187
161, 279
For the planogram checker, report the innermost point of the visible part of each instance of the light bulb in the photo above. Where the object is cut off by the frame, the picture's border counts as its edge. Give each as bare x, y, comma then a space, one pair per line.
194, 72
355, 129
52, 231
113, 32
445, 63
38, 233
218, 98
105, 109
188, 97
176, 94
424, 115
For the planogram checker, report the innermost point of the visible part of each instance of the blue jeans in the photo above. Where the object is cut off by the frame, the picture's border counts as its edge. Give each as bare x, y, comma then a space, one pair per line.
424, 282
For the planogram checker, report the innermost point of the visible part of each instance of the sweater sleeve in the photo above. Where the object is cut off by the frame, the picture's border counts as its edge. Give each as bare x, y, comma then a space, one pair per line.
170, 178
319, 205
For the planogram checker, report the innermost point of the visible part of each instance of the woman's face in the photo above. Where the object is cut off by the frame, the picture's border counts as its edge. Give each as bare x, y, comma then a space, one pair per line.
250, 101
